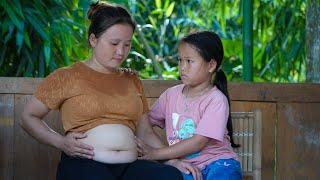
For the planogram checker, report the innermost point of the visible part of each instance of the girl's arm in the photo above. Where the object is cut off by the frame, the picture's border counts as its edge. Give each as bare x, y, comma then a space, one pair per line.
183, 148
146, 133
33, 124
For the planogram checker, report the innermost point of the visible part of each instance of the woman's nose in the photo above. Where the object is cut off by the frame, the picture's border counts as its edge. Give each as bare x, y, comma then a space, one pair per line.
120, 50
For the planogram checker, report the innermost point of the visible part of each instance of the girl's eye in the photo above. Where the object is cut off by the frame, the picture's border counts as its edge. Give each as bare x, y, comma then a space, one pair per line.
114, 44
189, 61
127, 45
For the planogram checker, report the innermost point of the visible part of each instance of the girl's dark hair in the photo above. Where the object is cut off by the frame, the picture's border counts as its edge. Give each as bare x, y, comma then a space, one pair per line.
103, 16
209, 46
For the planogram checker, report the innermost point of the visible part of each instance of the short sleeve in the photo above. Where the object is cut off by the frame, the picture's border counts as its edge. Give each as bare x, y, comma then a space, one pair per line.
157, 113
53, 90
214, 119
139, 86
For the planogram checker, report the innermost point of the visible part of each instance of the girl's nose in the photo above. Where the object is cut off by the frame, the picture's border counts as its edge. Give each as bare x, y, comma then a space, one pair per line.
182, 66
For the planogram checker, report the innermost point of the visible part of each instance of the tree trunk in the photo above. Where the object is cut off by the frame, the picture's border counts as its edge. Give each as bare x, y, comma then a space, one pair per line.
313, 41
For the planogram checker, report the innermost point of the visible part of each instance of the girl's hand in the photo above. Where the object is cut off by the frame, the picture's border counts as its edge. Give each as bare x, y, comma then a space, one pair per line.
145, 152
186, 168
72, 147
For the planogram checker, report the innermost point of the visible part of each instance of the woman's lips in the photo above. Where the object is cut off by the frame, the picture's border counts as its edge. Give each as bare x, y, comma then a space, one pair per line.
117, 59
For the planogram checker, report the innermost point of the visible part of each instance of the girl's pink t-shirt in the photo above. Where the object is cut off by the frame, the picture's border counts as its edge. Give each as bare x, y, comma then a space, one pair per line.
205, 115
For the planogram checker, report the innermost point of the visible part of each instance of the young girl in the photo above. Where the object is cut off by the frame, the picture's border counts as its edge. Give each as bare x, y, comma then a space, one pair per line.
196, 114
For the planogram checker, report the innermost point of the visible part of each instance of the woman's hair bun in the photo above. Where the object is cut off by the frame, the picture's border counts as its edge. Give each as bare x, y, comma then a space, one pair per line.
93, 9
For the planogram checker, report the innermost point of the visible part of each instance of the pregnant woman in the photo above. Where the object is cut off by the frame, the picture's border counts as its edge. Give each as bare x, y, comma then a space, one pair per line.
99, 105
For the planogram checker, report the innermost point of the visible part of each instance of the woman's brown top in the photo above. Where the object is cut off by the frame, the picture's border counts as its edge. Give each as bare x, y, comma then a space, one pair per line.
87, 98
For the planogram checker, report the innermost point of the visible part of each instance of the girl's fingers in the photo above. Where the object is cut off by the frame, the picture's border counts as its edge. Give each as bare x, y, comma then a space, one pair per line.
194, 171
139, 142
140, 150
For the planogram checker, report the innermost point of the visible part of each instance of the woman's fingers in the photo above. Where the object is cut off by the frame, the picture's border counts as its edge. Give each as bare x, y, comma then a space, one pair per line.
83, 155
77, 135
84, 146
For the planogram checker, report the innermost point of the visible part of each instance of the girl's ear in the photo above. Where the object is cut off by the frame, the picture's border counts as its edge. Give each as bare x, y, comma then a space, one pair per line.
212, 65
92, 40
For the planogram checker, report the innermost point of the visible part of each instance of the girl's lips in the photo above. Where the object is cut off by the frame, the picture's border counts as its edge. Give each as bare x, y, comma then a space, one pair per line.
183, 76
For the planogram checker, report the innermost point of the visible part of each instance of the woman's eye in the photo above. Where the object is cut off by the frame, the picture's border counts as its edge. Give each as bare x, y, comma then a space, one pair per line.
189, 61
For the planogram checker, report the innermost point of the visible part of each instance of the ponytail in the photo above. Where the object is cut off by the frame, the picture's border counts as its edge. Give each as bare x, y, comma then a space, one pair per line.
220, 81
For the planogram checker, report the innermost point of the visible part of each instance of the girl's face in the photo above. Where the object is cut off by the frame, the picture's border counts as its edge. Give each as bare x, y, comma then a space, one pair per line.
113, 46
193, 69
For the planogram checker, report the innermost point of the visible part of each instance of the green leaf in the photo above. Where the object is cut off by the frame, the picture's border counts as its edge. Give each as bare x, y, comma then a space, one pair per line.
12, 16
27, 39
170, 9
47, 52
38, 26
19, 40
158, 4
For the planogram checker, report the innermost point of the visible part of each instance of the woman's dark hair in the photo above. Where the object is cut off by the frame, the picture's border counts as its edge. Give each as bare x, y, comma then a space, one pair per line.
209, 46
103, 16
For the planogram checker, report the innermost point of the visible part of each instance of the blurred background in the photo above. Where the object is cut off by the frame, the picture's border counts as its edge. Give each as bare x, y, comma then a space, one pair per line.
39, 36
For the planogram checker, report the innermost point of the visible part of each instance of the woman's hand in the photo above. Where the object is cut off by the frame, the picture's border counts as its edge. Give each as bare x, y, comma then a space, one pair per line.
72, 147
145, 152
186, 168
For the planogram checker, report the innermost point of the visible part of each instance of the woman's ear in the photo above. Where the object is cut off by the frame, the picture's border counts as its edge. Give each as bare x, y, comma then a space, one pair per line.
92, 40
212, 65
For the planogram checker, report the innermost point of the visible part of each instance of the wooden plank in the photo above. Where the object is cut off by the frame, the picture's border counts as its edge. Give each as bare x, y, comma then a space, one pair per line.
271, 92
298, 137
268, 132
33, 160
266, 92
18, 85
6, 135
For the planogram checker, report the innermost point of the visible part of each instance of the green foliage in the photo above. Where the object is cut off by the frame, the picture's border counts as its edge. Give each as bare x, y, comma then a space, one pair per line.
39, 36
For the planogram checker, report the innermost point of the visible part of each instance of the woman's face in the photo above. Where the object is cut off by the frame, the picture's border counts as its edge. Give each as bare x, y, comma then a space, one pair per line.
113, 46
193, 69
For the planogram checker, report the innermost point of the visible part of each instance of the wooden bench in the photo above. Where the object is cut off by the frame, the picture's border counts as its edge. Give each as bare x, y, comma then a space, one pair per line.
22, 157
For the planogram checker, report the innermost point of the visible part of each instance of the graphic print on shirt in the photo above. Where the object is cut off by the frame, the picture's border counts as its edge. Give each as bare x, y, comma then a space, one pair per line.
186, 130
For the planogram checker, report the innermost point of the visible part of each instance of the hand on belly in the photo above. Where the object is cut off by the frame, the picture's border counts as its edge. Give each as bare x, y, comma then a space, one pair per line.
112, 143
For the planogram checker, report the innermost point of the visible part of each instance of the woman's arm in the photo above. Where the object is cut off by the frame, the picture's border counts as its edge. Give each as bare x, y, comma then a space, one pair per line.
183, 148
32, 123
146, 133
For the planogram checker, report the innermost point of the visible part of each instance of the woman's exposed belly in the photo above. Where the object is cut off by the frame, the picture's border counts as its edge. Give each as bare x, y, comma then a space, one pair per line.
112, 143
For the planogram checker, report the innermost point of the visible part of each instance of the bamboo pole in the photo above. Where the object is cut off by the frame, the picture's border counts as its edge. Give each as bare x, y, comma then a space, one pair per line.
247, 39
